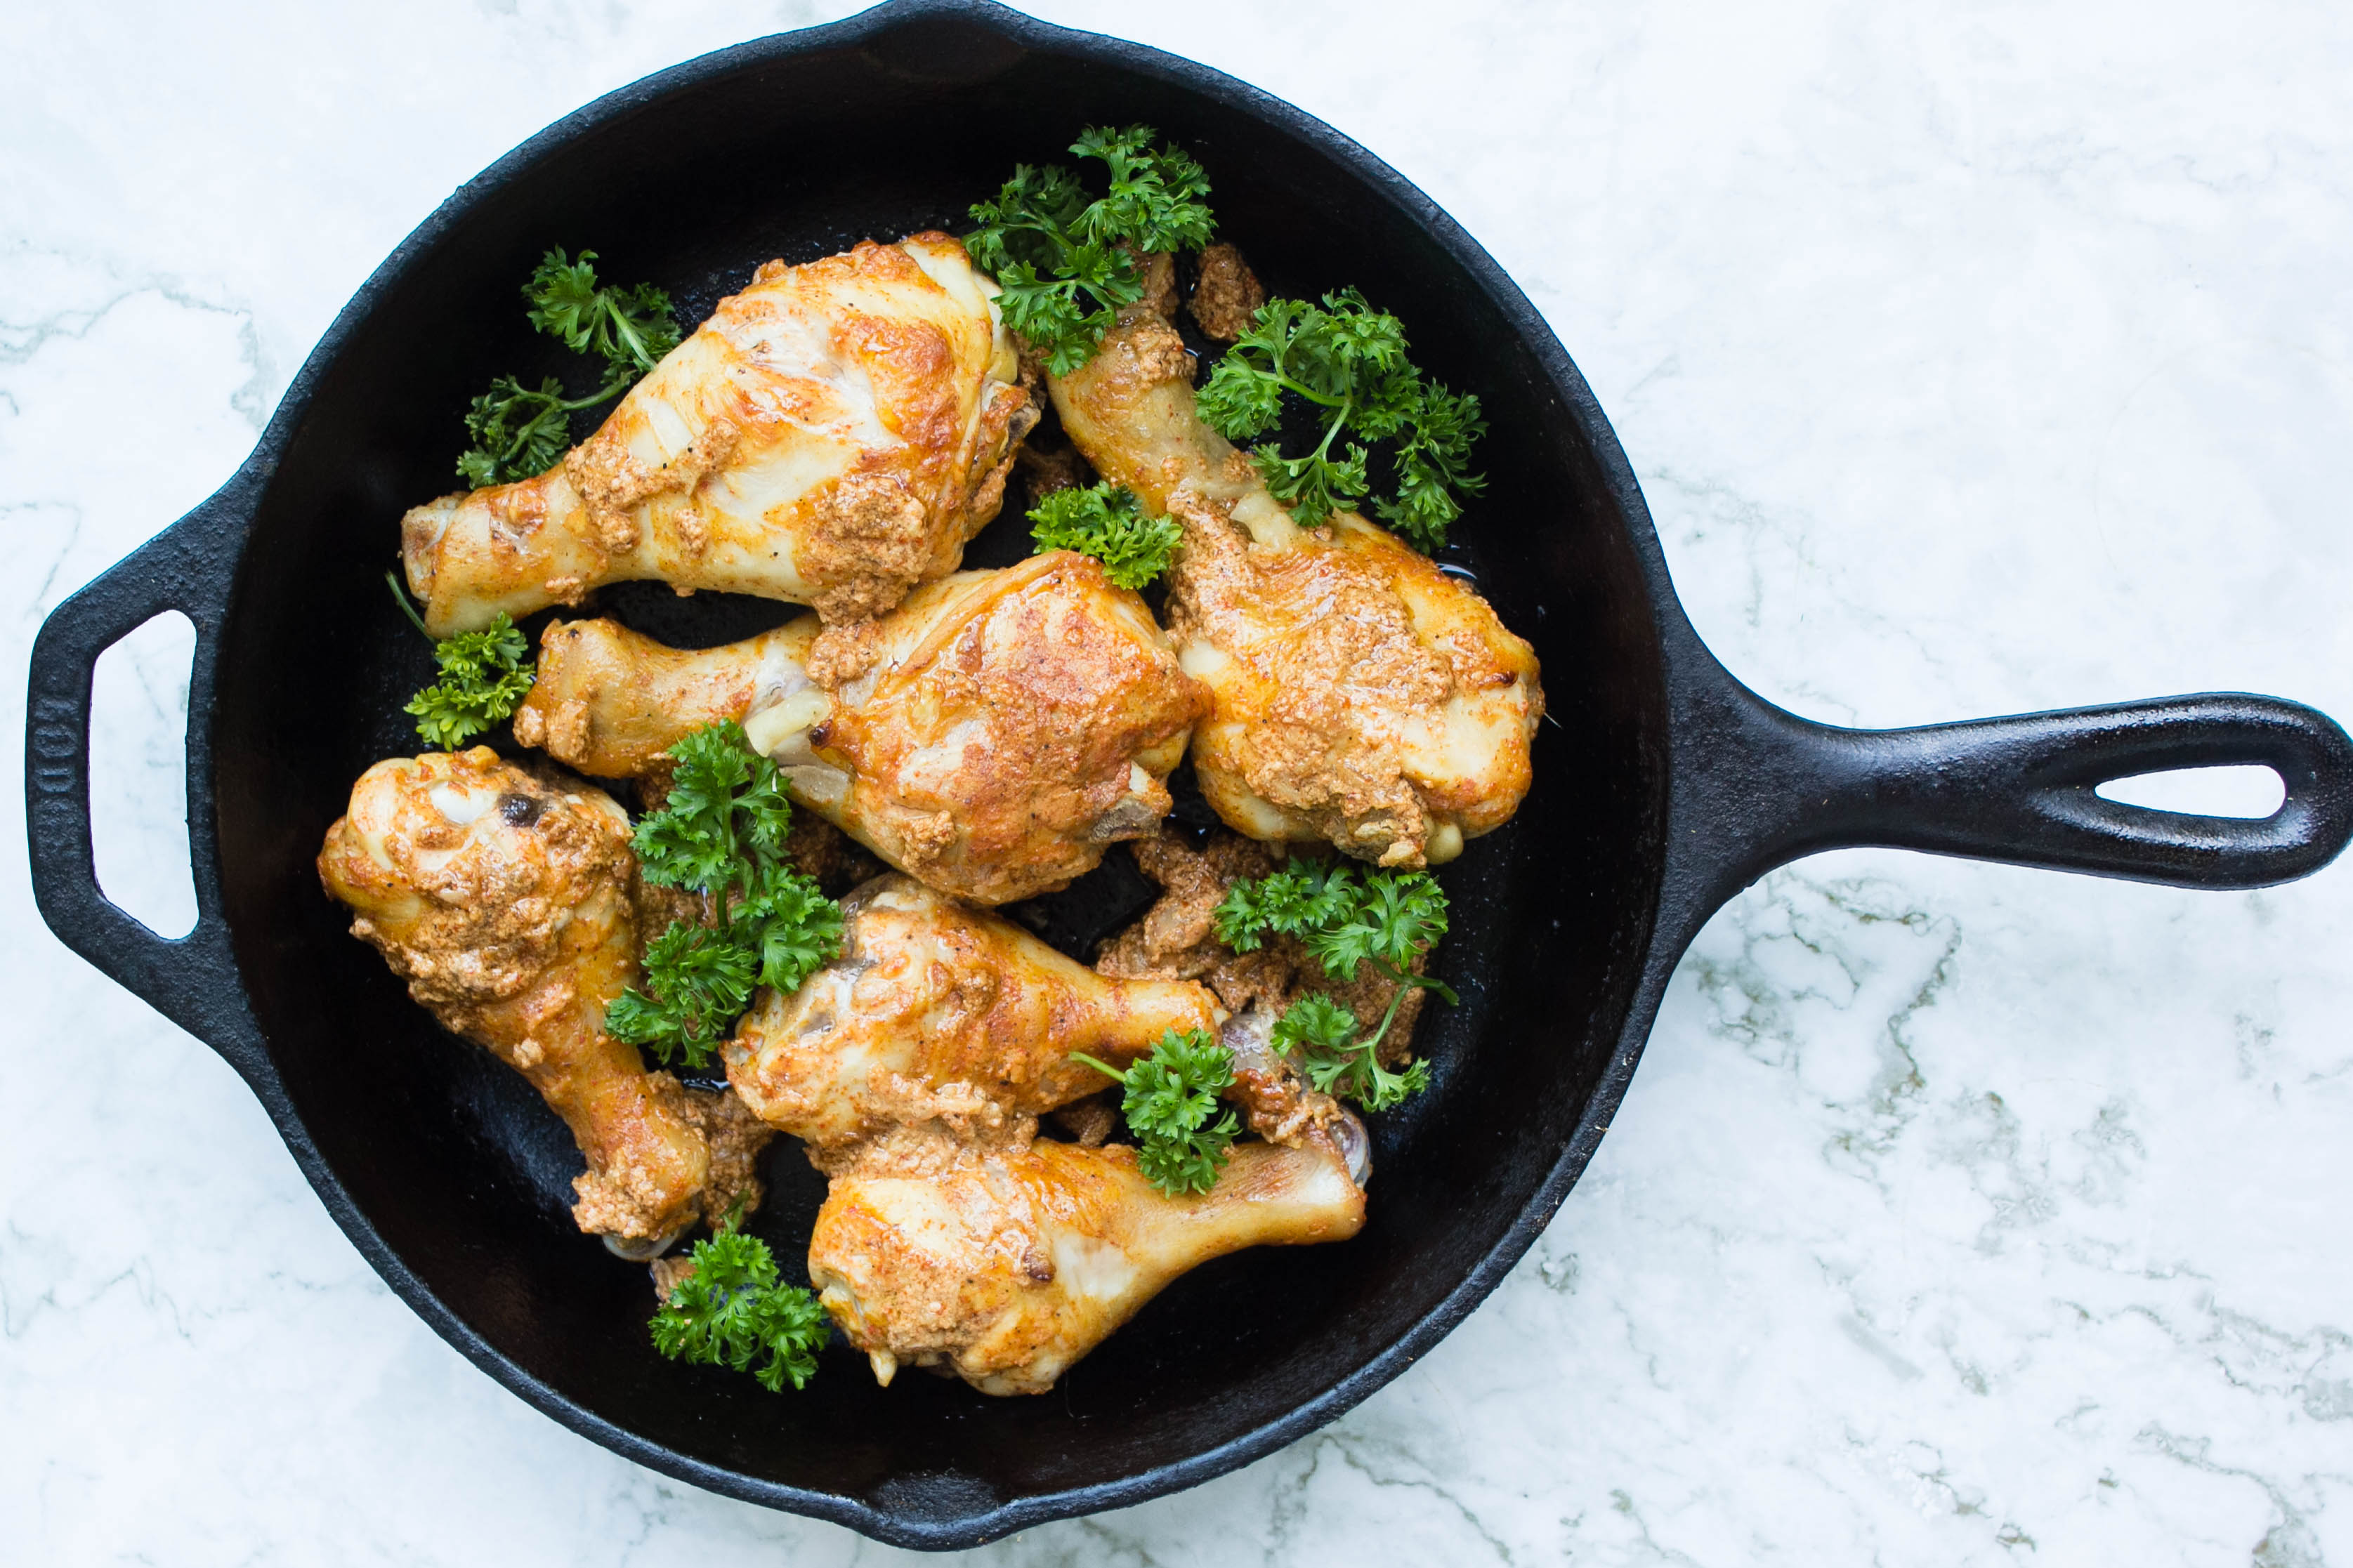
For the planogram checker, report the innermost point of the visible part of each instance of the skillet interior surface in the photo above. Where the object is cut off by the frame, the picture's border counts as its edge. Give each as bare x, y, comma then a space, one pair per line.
690, 180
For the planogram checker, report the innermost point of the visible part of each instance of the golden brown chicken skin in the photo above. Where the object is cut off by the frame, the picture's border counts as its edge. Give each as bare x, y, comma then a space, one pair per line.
1006, 1266
505, 902
831, 436
1359, 695
934, 1012
915, 1066
992, 736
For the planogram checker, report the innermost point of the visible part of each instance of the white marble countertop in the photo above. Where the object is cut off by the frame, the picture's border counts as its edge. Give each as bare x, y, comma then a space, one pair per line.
1974, 359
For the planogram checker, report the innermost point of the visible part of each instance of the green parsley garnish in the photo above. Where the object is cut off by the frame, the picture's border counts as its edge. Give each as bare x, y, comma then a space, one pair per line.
1170, 1096
697, 982
1349, 360
1322, 1035
483, 678
732, 1310
721, 831
629, 329
726, 814
519, 433
1063, 260
1107, 522
1388, 919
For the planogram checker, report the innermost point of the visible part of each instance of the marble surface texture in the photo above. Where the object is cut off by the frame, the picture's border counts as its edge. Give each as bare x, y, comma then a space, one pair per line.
1974, 359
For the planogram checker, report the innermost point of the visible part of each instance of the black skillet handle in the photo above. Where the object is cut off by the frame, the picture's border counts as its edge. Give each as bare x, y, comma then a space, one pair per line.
187, 568
2023, 789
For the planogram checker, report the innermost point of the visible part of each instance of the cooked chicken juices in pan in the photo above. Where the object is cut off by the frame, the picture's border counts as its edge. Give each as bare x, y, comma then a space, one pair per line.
833, 436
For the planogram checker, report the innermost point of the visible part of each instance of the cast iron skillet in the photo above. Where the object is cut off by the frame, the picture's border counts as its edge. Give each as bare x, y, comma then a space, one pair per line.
1663, 788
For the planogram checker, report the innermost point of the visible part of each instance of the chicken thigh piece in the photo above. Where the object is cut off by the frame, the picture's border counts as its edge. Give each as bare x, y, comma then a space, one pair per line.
1358, 694
992, 736
937, 1013
1006, 1266
505, 902
831, 436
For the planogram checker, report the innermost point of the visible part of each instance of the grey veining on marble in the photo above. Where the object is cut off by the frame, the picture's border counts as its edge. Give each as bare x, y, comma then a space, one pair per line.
1974, 359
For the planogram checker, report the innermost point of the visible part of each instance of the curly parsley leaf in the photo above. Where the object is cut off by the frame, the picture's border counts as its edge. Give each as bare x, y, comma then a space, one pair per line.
726, 814
1348, 361
1321, 1037
1345, 920
1107, 521
788, 926
483, 676
1341, 916
698, 981
1170, 1097
519, 433
1393, 919
733, 1309
630, 329
1300, 899
1066, 262
1156, 192
721, 831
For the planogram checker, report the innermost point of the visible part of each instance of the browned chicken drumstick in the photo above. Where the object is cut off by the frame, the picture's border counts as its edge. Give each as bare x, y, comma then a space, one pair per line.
992, 736
1358, 693
915, 1067
506, 903
831, 436
1006, 1267
937, 1012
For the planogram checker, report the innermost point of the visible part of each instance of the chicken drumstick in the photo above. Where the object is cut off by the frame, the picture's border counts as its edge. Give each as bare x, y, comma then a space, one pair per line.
1006, 1267
1359, 694
991, 736
937, 1012
505, 902
831, 436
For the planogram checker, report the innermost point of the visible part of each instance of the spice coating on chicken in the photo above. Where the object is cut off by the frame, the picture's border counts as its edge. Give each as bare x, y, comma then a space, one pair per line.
1226, 295
992, 736
832, 436
505, 903
1359, 694
1176, 939
1006, 1266
937, 1013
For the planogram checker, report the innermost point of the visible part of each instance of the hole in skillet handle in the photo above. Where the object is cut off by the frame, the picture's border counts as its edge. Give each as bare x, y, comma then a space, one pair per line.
138, 775
2246, 793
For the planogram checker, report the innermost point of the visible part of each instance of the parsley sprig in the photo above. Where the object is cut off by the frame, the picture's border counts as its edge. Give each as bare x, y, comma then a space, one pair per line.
1386, 919
483, 678
629, 329
733, 1310
520, 433
1170, 1096
1067, 262
721, 831
1325, 1039
1349, 360
1107, 521
725, 817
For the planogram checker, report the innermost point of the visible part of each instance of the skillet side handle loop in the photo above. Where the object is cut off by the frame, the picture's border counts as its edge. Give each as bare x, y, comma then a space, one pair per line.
185, 568
2022, 790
